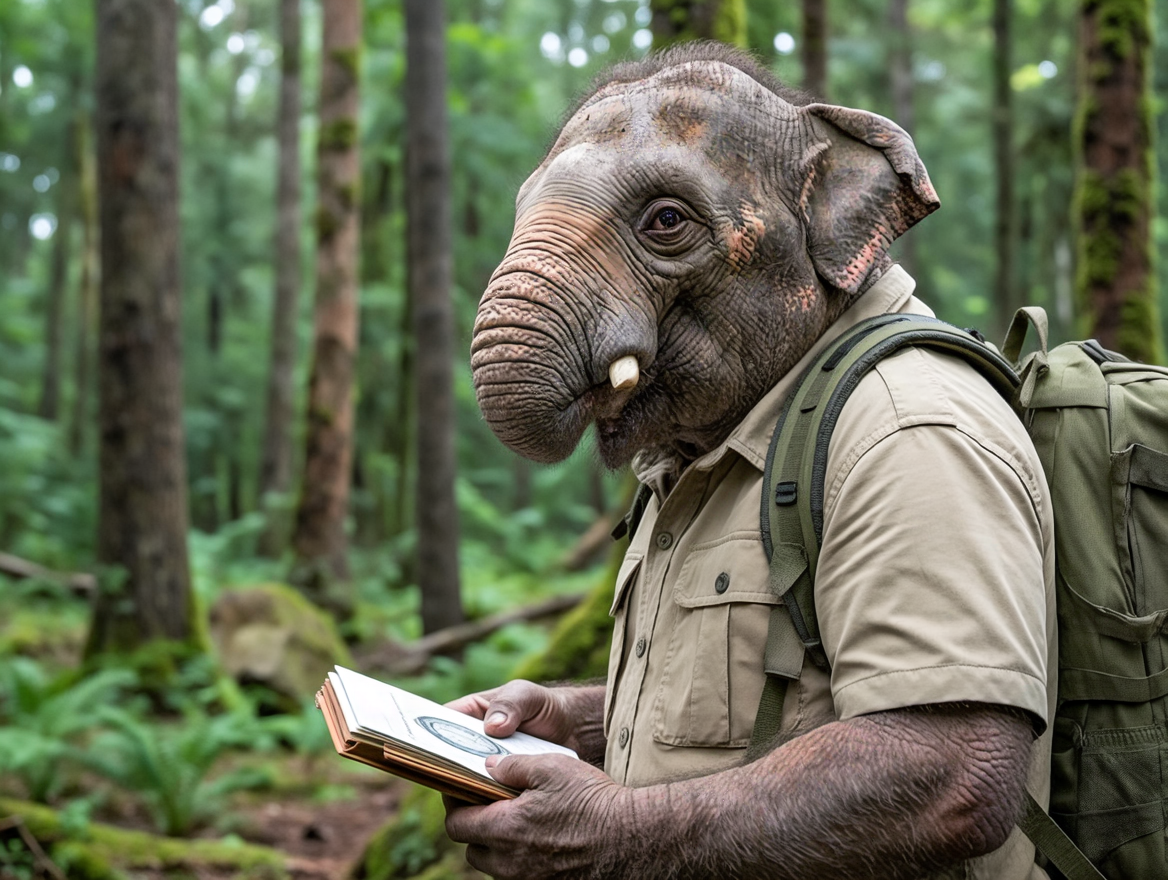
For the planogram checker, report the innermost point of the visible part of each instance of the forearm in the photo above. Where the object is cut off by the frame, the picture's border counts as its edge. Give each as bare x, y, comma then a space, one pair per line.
891, 795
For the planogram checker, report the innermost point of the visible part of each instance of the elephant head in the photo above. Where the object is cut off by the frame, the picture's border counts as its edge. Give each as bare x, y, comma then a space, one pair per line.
692, 231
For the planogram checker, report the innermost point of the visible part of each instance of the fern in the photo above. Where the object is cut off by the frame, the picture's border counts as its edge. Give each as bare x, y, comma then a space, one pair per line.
170, 767
45, 719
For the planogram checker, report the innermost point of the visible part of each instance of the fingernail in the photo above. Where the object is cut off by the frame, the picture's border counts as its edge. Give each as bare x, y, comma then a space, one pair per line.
496, 718
491, 761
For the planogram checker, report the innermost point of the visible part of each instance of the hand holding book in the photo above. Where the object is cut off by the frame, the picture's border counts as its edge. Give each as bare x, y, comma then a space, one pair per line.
412, 737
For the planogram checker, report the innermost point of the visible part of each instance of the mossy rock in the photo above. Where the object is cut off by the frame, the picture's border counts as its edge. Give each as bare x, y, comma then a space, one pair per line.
414, 844
103, 852
272, 635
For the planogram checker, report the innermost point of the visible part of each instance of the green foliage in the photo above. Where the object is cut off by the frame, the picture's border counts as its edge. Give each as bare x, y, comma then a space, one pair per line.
170, 767
43, 719
90, 854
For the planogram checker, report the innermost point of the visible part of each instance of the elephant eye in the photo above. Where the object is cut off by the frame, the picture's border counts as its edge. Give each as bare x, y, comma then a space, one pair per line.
666, 219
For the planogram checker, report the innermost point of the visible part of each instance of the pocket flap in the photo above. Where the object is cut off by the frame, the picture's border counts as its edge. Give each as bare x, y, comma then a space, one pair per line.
625, 576
730, 569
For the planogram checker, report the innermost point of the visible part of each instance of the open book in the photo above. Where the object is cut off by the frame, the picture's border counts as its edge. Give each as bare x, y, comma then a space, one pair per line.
417, 739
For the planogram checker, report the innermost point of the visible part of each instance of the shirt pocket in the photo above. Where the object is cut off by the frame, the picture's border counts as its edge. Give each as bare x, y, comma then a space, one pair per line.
625, 578
713, 669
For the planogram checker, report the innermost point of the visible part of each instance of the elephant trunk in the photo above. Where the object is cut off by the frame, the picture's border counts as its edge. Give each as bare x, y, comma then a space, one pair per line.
547, 362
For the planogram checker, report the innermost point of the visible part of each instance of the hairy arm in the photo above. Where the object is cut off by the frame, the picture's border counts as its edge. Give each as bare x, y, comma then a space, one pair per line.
890, 795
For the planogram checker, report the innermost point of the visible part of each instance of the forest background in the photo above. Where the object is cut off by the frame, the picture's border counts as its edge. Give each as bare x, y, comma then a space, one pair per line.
988, 91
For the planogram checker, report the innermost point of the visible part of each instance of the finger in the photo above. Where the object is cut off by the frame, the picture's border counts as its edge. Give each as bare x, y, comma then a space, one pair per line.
465, 823
511, 705
472, 704
532, 771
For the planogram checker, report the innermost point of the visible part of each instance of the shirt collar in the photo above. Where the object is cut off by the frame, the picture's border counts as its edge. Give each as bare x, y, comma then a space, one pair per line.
892, 292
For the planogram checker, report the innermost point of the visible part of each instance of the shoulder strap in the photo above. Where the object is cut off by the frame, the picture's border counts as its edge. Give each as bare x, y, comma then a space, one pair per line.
791, 513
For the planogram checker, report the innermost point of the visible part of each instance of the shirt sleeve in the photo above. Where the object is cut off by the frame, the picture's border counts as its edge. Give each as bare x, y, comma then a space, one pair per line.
931, 583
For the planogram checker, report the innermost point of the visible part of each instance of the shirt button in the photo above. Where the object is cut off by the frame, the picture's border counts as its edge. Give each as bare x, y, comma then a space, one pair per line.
641, 644
722, 582
665, 540
624, 737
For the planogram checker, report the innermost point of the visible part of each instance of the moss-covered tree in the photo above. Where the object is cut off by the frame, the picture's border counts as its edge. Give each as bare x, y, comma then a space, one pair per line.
319, 540
676, 21
1114, 178
429, 279
276, 462
145, 592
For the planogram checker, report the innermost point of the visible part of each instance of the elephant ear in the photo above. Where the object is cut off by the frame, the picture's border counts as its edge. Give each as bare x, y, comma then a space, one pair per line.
863, 186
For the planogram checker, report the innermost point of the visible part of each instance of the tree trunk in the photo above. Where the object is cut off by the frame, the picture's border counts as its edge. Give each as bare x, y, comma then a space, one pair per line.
815, 48
1005, 227
50, 400
145, 589
87, 286
276, 457
428, 223
900, 87
1114, 181
678, 21
320, 543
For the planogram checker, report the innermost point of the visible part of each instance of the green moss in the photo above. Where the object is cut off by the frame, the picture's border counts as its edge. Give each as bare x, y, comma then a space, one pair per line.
1139, 331
413, 843
348, 60
340, 134
96, 852
579, 645
1124, 26
730, 23
326, 225
349, 193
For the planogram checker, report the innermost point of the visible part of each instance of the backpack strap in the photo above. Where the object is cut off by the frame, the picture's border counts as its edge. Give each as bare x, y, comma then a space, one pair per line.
791, 513
1053, 843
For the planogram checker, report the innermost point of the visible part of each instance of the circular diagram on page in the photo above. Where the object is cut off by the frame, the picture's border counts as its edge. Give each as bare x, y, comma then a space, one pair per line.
462, 738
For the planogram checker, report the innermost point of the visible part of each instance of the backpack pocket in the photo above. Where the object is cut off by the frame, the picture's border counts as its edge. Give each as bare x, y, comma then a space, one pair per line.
1140, 477
1107, 792
713, 675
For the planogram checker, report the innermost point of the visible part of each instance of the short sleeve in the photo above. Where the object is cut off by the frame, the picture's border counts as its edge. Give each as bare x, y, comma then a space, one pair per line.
932, 580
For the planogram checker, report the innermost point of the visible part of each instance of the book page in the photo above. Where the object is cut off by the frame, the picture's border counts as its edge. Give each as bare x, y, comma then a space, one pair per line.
376, 710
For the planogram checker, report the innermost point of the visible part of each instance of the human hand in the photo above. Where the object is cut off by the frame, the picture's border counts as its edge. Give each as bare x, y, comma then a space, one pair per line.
569, 822
554, 714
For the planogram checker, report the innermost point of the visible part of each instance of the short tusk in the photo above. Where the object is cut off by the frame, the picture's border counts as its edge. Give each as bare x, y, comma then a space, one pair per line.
624, 372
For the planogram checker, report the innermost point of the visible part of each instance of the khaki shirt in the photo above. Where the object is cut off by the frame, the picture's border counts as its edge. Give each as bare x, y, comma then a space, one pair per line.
935, 581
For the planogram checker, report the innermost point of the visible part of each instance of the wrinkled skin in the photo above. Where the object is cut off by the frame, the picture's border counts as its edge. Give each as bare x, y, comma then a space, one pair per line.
891, 795
701, 223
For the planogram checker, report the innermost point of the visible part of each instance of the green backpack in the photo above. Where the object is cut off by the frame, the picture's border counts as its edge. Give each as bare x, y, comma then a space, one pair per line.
1100, 425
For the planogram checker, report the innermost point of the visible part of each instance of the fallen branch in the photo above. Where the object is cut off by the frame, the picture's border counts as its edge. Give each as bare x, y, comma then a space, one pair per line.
40, 857
398, 659
592, 544
81, 583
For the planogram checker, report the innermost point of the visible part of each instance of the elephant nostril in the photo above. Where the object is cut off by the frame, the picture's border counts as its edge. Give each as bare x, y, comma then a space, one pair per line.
624, 372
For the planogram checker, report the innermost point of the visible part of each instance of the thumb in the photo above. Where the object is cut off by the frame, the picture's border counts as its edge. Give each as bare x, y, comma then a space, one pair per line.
522, 771
510, 706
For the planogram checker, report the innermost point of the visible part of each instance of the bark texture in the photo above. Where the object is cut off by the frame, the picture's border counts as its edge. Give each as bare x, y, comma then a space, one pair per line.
145, 591
428, 221
87, 293
900, 87
50, 400
1005, 225
320, 542
1115, 177
678, 21
276, 461
815, 48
